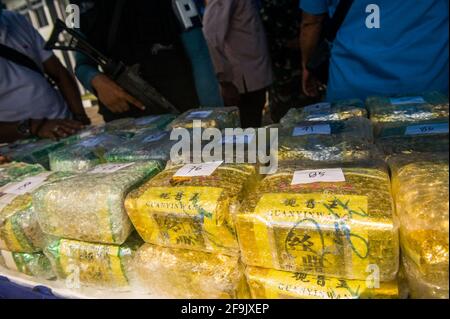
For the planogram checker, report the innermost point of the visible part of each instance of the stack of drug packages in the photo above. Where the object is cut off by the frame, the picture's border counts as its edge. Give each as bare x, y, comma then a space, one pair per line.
21, 238
91, 240
185, 215
323, 225
413, 133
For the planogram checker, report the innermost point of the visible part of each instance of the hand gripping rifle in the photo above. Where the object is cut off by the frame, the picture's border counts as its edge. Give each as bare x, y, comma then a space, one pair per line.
128, 78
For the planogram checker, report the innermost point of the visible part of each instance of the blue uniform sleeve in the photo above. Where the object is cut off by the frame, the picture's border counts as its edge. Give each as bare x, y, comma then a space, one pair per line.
85, 70
314, 7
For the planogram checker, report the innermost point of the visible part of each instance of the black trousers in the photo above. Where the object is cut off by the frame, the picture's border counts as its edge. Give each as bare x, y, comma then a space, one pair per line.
251, 107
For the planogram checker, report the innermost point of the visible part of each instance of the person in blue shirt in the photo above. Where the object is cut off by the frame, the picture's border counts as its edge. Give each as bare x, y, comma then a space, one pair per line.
384, 47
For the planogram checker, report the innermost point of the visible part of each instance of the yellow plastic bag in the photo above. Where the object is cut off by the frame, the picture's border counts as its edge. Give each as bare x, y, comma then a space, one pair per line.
333, 222
189, 274
275, 284
420, 186
192, 212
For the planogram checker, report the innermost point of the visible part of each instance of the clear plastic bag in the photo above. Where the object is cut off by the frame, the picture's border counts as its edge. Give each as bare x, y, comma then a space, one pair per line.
135, 125
420, 186
188, 274
335, 222
215, 117
96, 265
337, 111
89, 206
84, 154
31, 264
275, 284
19, 229
192, 212
328, 141
145, 146
13, 172
428, 106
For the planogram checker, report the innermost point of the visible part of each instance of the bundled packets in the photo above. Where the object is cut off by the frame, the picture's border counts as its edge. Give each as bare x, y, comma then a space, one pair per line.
31, 264
188, 274
337, 111
135, 125
218, 117
192, 206
89, 207
85, 154
89, 264
275, 284
334, 221
420, 185
13, 172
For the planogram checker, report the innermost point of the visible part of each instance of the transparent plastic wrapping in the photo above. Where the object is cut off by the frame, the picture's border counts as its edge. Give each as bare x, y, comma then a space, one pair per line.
84, 154
428, 106
215, 117
13, 172
422, 136
135, 125
89, 206
33, 151
192, 212
421, 189
96, 265
31, 264
145, 146
189, 274
328, 141
335, 228
337, 111
275, 284
19, 228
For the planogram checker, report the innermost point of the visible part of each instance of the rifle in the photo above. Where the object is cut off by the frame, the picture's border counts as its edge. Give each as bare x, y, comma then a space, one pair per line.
128, 78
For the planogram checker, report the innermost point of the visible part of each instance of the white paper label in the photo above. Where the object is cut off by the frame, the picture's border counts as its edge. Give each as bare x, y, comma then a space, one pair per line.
146, 120
317, 108
109, 168
320, 129
318, 176
199, 114
408, 100
440, 128
93, 142
5, 200
9, 260
238, 139
27, 185
154, 137
194, 170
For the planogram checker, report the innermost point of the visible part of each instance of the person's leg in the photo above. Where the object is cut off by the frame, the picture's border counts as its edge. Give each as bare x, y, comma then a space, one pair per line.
251, 106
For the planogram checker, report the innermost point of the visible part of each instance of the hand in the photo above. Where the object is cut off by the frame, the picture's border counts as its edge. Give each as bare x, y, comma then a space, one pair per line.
230, 94
113, 96
310, 85
54, 129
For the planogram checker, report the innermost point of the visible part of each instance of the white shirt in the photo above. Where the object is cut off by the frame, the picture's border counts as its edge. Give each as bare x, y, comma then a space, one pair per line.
25, 94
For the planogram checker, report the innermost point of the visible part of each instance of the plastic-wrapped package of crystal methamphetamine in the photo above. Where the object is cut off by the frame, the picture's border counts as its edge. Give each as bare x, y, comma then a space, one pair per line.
215, 117
422, 137
421, 190
145, 146
85, 154
192, 206
428, 106
19, 228
276, 284
102, 266
328, 141
336, 111
13, 172
189, 274
34, 151
31, 264
135, 125
89, 207
334, 221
